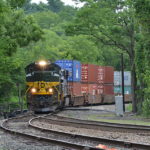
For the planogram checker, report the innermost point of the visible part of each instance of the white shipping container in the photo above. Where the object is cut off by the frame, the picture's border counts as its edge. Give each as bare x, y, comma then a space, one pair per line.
118, 78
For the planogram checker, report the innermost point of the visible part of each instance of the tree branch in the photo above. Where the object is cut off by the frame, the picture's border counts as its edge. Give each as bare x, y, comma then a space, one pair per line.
110, 42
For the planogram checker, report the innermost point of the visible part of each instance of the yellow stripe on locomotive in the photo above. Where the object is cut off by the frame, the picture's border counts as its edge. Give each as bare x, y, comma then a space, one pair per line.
41, 87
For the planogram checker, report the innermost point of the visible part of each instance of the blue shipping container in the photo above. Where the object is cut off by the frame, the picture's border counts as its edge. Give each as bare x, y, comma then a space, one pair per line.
74, 68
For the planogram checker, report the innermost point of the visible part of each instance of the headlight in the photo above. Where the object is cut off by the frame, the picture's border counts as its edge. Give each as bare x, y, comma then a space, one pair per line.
42, 63
33, 90
50, 90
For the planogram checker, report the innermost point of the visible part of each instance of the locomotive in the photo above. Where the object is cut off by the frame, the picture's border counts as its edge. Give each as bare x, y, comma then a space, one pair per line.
46, 86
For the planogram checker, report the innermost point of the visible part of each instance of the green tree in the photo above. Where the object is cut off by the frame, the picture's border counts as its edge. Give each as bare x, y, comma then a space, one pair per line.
33, 7
113, 24
46, 19
143, 52
54, 47
16, 30
16, 3
81, 48
55, 5
67, 13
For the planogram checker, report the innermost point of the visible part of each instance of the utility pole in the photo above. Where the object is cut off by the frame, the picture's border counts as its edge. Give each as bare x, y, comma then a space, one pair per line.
122, 73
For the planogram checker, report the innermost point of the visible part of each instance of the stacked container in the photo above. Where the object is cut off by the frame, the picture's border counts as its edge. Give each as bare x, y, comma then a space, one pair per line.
74, 68
118, 82
127, 84
74, 79
97, 79
89, 82
88, 73
96, 82
74, 88
89, 88
105, 80
88, 79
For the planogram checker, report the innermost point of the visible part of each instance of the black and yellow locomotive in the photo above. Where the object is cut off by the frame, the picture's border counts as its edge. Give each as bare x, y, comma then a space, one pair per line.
46, 86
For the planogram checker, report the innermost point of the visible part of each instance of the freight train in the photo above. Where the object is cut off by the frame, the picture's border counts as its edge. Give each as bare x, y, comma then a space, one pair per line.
67, 83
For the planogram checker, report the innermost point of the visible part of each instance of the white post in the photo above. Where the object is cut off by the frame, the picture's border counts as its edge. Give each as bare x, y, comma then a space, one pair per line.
119, 105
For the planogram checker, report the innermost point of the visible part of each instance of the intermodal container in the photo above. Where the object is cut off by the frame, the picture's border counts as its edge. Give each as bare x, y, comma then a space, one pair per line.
100, 88
118, 78
74, 68
100, 74
106, 89
89, 89
109, 74
88, 73
105, 74
74, 88
118, 89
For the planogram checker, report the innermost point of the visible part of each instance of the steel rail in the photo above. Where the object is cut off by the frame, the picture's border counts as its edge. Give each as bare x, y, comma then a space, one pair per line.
85, 109
41, 138
97, 139
100, 123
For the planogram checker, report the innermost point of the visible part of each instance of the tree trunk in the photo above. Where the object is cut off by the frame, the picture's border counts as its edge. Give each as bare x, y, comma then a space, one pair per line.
134, 86
133, 69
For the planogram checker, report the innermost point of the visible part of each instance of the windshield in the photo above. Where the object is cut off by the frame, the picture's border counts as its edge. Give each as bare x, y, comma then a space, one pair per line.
48, 76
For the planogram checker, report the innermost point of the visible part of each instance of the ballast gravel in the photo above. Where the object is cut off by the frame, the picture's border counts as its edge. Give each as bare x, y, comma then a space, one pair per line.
14, 142
127, 137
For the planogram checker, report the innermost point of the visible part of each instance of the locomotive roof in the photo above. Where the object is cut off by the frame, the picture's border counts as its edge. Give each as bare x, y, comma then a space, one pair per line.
33, 65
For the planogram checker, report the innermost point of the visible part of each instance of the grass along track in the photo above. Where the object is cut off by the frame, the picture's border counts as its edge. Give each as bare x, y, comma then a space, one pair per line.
106, 115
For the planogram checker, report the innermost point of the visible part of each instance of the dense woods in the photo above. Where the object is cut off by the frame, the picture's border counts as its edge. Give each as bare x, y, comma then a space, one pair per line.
97, 33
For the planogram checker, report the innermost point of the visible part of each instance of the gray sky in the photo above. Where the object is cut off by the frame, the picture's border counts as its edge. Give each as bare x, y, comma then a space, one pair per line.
67, 2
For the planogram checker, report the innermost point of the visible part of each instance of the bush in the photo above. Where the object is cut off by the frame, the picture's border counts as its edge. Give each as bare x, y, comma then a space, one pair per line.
129, 107
146, 107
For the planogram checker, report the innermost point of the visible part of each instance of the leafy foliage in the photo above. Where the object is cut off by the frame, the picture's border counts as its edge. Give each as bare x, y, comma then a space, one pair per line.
16, 3
97, 33
110, 23
16, 30
46, 19
143, 51
55, 5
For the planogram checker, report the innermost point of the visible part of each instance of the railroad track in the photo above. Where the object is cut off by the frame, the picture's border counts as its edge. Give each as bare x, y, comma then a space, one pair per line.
98, 124
63, 121
20, 126
86, 109
25, 126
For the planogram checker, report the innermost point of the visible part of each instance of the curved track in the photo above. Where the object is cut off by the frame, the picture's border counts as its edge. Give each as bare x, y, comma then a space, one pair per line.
25, 126
20, 126
96, 125
99, 124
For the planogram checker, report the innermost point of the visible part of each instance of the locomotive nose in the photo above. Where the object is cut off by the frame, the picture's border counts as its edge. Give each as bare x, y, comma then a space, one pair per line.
42, 85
